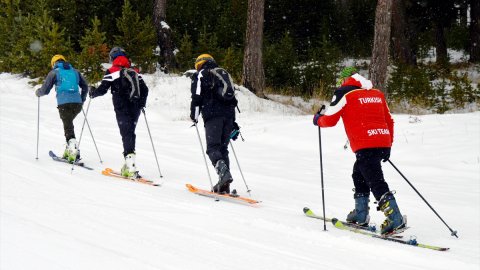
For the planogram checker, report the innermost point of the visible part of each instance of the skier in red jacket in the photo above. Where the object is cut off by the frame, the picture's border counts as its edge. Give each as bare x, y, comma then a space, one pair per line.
369, 127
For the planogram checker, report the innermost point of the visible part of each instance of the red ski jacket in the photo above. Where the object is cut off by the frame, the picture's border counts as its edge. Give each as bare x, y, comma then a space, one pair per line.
364, 112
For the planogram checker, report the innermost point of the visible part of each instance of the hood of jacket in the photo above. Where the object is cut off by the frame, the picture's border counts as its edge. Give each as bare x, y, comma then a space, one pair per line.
121, 61
359, 81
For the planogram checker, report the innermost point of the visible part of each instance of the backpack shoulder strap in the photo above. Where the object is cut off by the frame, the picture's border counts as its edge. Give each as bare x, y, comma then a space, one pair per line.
132, 76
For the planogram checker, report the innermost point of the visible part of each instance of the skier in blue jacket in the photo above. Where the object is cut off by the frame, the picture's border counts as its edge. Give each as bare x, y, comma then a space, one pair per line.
66, 80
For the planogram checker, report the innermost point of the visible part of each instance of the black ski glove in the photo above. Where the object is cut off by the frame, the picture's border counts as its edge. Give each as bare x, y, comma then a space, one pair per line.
386, 155
91, 92
316, 117
319, 114
235, 131
192, 117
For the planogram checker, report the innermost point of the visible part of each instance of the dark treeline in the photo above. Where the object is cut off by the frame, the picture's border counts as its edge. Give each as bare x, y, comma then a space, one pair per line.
304, 41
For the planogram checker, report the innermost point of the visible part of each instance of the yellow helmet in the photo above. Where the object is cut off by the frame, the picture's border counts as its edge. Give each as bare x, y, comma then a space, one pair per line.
201, 59
55, 58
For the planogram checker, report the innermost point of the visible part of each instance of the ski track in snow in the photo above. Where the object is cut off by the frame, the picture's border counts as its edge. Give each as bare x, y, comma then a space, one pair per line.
54, 218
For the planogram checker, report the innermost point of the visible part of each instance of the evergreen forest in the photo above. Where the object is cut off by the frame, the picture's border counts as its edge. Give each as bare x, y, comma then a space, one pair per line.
305, 43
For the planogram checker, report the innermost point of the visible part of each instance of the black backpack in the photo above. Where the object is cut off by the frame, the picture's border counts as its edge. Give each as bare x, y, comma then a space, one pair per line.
223, 86
129, 83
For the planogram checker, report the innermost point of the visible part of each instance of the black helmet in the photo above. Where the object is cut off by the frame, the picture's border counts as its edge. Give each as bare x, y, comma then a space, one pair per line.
115, 52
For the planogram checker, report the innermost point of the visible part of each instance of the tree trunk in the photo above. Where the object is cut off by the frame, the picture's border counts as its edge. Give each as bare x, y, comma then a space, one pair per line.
474, 31
402, 50
164, 35
253, 76
440, 44
381, 43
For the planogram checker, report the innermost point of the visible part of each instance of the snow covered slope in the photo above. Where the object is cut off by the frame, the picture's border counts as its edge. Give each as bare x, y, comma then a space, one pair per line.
52, 218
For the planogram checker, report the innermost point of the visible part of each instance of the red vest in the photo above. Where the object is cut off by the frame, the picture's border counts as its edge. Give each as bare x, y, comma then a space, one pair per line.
365, 115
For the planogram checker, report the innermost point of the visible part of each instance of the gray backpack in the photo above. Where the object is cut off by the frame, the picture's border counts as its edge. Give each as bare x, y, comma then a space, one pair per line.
223, 85
130, 84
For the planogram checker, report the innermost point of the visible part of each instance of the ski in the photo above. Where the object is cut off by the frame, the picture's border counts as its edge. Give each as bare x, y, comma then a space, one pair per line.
110, 172
370, 228
59, 159
309, 213
226, 197
412, 241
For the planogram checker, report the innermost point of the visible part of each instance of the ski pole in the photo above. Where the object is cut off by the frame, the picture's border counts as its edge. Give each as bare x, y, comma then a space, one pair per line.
204, 158
346, 144
91, 134
453, 233
240, 169
321, 170
38, 126
81, 132
153, 146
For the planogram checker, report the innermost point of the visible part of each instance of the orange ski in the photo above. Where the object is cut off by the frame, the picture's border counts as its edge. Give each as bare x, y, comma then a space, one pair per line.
226, 197
112, 173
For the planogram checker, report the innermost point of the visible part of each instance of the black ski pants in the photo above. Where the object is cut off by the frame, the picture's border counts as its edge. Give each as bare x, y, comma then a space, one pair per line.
68, 112
367, 172
217, 133
127, 118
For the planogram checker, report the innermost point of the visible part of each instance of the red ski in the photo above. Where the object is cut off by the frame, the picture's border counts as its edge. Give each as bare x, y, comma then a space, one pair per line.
225, 197
112, 173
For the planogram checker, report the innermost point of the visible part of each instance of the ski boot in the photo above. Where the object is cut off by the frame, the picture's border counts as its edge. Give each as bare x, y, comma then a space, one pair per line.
394, 221
71, 152
360, 215
129, 169
224, 178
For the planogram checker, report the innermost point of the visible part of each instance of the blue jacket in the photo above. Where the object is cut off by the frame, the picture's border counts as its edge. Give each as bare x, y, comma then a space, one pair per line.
66, 80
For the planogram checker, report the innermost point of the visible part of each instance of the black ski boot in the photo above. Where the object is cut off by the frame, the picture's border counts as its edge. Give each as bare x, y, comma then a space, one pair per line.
224, 178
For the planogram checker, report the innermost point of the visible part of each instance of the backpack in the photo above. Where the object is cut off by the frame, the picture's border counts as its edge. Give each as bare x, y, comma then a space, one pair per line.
223, 86
129, 83
67, 78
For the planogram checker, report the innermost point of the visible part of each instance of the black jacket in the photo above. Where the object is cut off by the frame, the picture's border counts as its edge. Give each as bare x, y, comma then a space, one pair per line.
120, 96
204, 99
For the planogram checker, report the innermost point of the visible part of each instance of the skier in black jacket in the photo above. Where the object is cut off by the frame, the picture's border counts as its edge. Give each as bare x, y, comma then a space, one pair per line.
129, 96
218, 117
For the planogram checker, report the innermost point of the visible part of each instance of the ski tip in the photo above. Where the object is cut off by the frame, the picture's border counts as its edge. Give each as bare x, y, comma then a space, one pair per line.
190, 188
50, 153
306, 209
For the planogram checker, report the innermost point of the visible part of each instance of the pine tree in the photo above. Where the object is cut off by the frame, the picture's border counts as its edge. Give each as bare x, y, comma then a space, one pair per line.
137, 37
208, 43
52, 37
280, 61
39, 39
185, 54
232, 62
10, 20
94, 52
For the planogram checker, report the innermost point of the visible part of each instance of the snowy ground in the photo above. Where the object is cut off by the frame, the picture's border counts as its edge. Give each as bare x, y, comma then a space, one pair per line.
51, 218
